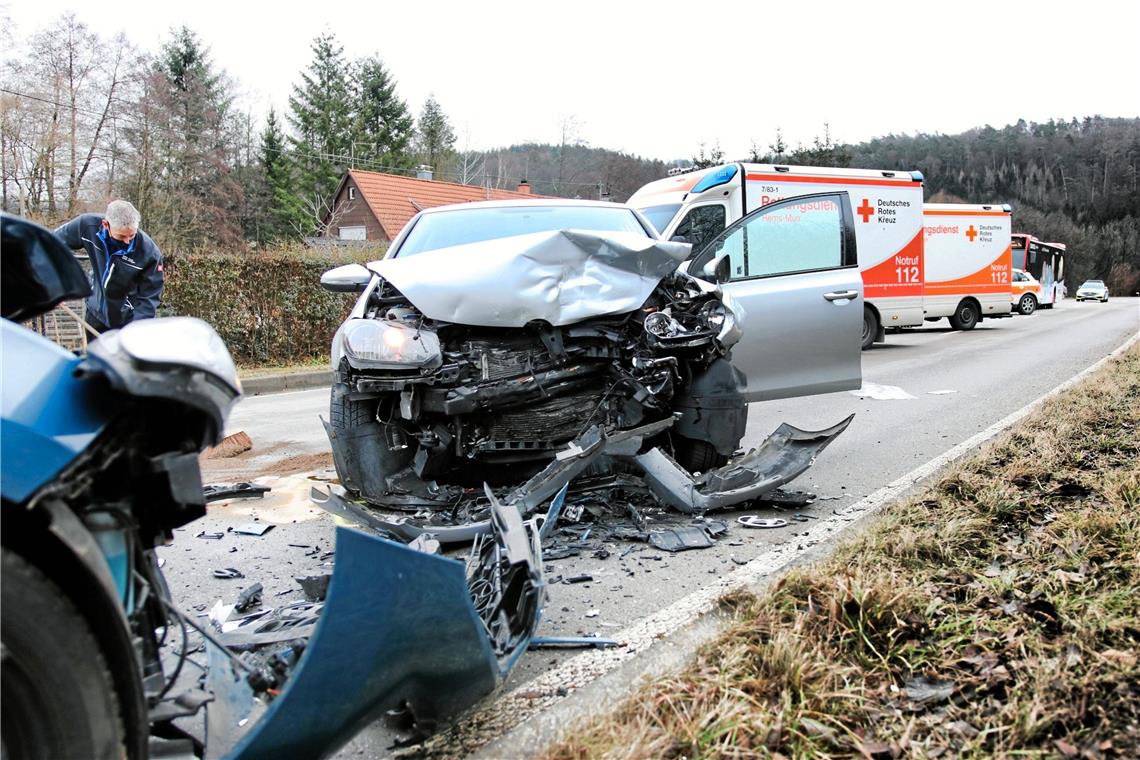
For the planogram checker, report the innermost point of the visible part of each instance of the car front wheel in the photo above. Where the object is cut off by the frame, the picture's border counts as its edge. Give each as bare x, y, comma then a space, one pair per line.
56, 694
1027, 305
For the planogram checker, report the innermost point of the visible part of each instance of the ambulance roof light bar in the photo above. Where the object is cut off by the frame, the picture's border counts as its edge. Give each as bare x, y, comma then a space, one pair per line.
714, 178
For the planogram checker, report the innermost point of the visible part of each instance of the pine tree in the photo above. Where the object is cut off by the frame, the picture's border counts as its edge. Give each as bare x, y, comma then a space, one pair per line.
183, 137
321, 114
435, 139
383, 125
284, 213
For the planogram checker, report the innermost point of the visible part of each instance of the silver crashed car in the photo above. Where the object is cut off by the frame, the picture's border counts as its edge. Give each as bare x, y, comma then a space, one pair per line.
494, 335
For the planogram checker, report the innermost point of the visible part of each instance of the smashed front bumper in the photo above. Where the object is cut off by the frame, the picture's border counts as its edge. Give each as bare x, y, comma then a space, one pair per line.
400, 628
782, 458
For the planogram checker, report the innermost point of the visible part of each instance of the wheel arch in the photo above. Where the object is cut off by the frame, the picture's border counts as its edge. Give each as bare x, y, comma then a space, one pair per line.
28, 534
970, 300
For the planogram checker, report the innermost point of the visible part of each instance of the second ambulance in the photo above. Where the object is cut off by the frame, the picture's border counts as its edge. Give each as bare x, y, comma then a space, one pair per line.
968, 263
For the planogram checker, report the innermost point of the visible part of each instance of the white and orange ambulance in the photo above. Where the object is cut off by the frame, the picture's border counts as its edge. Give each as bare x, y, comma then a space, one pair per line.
698, 205
968, 262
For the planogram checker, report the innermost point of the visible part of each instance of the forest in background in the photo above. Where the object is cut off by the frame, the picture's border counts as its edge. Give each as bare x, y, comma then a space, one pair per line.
167, 130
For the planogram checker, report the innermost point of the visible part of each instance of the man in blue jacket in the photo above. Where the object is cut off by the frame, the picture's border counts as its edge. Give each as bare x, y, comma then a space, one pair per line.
126, 265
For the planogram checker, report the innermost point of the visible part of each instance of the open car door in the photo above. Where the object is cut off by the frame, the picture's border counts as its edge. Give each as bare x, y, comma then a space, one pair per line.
793, 268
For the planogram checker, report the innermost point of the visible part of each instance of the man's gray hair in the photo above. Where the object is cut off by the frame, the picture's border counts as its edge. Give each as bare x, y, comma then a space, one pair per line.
121, 215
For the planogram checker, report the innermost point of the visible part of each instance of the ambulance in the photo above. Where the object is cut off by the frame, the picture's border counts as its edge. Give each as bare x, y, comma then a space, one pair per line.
968, 263
696, 206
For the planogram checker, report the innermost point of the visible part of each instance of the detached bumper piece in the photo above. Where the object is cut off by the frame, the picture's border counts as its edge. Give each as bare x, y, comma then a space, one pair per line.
400, 627
783, 457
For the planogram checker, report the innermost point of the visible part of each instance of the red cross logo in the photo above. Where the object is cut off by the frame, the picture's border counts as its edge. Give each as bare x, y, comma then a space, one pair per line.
971, 233
866, 210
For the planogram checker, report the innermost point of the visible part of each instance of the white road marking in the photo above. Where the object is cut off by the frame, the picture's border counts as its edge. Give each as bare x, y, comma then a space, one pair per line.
881, 392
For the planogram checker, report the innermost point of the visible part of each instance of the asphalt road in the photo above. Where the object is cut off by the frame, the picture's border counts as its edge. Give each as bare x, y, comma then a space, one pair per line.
957, 383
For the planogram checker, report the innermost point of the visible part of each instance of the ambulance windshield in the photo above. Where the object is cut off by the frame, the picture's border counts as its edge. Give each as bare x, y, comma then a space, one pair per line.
660, 216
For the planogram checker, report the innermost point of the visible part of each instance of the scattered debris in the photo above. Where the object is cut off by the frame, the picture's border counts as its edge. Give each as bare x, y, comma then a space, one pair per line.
572, 642
249, 598
315, 587
940, 393
218, 491
559, 552
754, 521
579, 579
425, 543
210, 536
253, 529
593, 613
231, 446
680, 539
781, 499
229, 572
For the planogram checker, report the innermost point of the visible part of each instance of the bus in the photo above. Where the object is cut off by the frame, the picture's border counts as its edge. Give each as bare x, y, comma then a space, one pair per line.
1045, 261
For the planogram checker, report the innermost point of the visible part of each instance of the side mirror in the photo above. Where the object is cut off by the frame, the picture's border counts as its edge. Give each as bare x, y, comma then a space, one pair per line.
716, 269
350, 278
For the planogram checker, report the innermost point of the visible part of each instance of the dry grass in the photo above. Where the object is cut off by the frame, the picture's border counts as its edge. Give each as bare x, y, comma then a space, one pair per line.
997, 614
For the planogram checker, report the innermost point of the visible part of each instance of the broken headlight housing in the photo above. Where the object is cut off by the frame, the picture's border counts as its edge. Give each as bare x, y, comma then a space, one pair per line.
376, 344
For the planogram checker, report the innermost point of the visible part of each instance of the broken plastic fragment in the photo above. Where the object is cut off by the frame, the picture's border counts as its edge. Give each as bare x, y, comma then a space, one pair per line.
781, 458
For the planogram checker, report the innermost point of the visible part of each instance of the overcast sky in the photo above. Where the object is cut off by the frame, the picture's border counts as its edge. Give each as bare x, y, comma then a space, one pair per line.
658, 78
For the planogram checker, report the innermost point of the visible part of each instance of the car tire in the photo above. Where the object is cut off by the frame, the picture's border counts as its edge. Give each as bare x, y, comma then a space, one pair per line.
57, 697
965, 317
870, 328
1027, 305
347, 414
697, 456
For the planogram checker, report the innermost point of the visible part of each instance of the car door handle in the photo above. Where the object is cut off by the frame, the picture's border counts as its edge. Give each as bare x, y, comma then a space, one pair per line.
840, 295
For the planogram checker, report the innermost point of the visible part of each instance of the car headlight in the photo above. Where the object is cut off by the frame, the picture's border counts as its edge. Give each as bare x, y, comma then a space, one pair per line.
179, 341
376, 344
178, 359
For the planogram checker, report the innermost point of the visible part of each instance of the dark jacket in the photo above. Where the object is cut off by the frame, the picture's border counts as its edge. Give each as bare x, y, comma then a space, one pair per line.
125, 285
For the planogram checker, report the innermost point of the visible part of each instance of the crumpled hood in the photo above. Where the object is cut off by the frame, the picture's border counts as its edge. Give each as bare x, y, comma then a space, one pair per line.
561, 277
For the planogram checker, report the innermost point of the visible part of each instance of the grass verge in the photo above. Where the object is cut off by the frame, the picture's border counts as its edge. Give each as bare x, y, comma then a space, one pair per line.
996, 614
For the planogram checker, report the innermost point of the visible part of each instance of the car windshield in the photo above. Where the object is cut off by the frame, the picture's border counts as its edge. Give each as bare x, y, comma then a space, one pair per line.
1093, 284
462, 226
660, 216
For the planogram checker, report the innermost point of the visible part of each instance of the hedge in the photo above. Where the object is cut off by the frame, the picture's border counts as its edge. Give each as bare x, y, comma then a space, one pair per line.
267, 305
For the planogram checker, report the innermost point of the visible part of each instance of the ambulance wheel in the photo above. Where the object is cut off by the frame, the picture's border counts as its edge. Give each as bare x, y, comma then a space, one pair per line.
58, 699
965, 317
1027, 305
870, 328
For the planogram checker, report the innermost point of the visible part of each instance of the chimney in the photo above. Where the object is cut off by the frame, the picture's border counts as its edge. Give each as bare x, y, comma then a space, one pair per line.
524, 187
423, 171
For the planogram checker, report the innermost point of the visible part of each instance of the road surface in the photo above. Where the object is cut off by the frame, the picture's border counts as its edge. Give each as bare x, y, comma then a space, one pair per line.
930, 388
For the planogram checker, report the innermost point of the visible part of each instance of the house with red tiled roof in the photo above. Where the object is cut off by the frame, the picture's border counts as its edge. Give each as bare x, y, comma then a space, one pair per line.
375, 206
